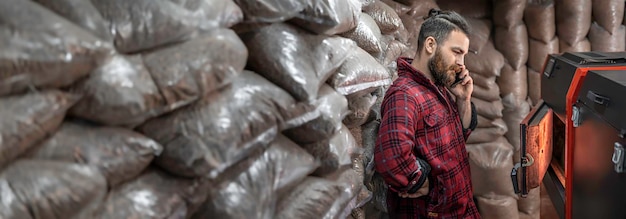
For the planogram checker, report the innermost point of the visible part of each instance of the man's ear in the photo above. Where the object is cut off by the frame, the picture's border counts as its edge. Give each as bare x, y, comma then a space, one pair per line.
430, 45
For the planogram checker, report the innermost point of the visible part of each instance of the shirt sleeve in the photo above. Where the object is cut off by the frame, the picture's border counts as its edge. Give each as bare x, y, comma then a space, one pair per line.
473, 123
394, 156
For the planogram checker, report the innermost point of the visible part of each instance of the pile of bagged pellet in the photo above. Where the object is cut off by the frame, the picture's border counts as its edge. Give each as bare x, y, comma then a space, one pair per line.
189, 108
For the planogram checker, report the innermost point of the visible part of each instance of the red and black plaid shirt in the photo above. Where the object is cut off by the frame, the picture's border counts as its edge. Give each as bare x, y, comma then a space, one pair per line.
421, 137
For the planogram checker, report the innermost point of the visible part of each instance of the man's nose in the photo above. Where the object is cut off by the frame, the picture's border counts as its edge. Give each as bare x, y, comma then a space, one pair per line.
461, 66
461, 62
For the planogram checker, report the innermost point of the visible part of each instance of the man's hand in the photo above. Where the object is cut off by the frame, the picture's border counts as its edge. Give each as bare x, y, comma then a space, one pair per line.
420, 192
463, 90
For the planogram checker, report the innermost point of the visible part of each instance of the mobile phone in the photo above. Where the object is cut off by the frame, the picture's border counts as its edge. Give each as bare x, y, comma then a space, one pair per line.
457, 80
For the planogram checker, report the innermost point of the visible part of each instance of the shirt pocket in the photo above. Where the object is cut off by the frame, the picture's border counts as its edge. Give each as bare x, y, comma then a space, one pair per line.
434, 119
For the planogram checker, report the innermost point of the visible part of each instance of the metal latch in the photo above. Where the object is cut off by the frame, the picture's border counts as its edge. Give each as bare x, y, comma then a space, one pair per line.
575, 116
527, 161
618, 157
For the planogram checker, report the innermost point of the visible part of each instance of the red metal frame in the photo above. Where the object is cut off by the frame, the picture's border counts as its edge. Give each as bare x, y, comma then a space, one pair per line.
572, 95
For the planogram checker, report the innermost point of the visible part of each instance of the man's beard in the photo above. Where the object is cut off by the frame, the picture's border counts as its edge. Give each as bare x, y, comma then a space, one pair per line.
439, 70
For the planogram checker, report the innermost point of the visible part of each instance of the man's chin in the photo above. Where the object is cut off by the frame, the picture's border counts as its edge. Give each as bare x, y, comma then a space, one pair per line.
449, 82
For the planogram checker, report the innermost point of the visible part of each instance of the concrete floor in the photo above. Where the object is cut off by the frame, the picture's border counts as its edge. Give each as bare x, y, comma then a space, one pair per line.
547, 209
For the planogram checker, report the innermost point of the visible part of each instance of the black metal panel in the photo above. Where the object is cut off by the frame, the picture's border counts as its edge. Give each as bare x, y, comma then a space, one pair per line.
560, 69
598, 191
604, 92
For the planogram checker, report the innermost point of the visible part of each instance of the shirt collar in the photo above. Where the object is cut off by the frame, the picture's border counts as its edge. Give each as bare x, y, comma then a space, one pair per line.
405, 68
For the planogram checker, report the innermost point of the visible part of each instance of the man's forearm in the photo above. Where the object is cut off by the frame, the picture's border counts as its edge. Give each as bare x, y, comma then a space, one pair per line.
465, 111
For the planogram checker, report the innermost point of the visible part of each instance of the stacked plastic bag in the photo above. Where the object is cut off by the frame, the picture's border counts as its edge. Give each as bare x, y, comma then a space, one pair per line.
606, 32
540, 20
573, 21
189, 108
511, 38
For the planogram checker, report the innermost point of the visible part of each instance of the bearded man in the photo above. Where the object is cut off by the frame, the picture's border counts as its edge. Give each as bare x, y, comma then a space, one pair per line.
427, 117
